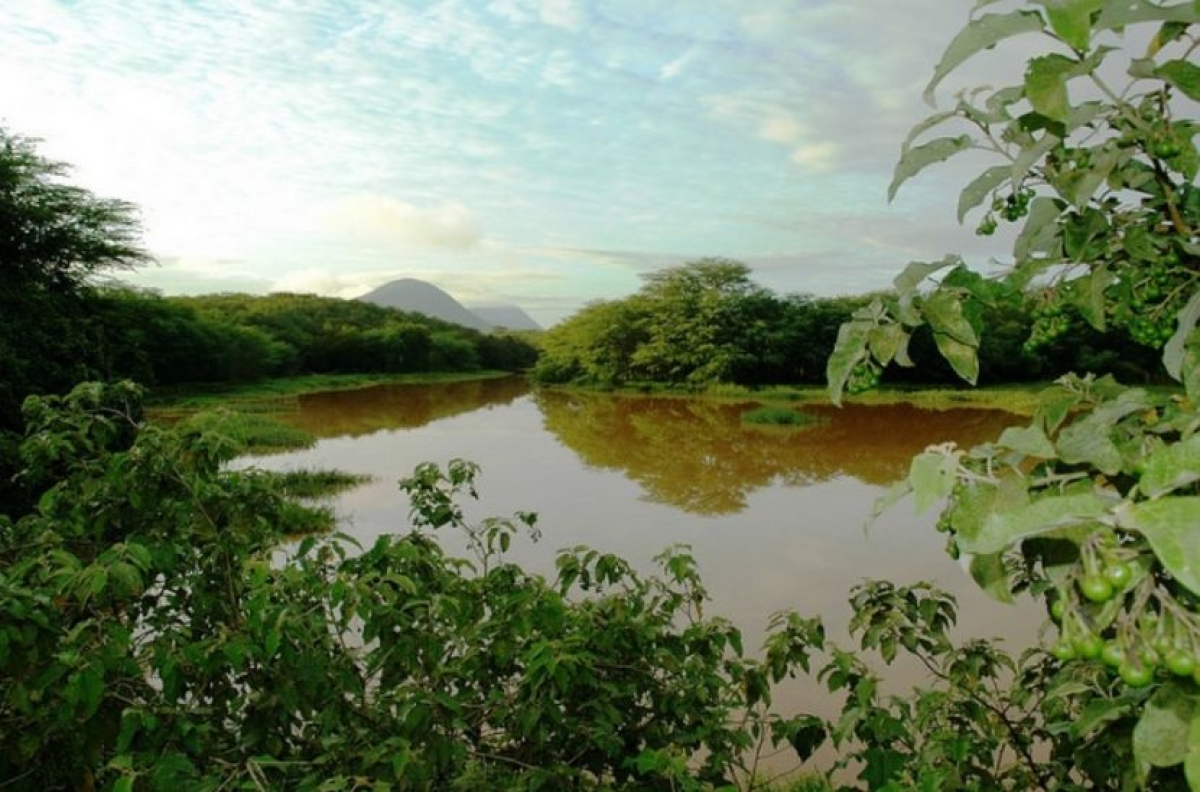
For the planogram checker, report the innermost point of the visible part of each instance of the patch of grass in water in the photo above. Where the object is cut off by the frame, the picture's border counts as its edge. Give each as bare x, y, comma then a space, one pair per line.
249, 433
779, 416
308, 483
309, 519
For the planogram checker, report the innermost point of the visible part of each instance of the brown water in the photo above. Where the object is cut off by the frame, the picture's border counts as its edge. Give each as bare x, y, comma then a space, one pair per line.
775, 518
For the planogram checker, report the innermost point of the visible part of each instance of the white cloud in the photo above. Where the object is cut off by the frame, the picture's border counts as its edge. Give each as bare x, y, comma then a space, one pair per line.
673, 69
315, 280
822, 156
565, 14
781, 128
385, 219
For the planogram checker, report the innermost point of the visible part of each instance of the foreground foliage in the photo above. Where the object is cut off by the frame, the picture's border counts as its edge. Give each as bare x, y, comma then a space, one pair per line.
151, 637
1094, 505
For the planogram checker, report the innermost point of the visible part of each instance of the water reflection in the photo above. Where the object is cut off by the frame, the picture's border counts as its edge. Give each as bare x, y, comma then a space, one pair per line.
773, 519
698, 456
353, 413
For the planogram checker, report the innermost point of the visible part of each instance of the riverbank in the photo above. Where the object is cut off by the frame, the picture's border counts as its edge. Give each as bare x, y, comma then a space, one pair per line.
263, 395
1020, 399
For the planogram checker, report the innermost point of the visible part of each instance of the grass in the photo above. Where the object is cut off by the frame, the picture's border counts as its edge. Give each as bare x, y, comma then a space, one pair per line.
307, 519
773, 415
1017, 398
270, 395
249, 433
308, 483
805, 782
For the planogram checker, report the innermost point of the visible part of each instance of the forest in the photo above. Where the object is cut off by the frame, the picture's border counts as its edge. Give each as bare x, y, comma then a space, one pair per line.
706, 322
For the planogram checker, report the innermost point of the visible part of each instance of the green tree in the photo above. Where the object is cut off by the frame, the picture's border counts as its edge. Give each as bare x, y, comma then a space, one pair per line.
1094, 505
54, 235
697, 321
595, 345
53, 238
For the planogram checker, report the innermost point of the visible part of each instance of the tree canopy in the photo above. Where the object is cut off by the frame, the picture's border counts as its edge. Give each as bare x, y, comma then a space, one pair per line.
54, 234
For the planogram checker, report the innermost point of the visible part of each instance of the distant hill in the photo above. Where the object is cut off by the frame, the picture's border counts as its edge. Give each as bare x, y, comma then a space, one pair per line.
418, 296
507, 316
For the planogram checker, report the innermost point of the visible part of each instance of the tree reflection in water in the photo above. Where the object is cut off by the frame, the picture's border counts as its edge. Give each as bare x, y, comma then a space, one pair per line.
699, 456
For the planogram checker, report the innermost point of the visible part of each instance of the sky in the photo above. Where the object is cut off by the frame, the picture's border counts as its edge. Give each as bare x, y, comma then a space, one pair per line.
542, 153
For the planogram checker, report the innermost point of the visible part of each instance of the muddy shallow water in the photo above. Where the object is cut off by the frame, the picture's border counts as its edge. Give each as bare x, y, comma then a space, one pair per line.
775, 518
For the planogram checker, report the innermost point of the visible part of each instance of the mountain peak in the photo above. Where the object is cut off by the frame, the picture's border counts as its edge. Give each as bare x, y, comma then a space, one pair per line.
418, 296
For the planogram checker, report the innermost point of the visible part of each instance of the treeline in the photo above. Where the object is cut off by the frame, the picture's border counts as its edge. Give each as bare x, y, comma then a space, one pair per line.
118, 333
59, 326
707, 321
230, 337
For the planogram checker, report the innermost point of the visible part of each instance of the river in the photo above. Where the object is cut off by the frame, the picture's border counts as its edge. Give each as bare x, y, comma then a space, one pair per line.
774, 517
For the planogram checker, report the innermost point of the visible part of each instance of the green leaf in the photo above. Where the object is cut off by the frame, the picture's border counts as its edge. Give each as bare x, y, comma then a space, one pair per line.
1039, 229
1120, 13
1001, 530
1168, 32
902, 357
952, 332
1088, 442
1170, 467
1173, 352
989, 573
805, 733
1160, 737
916, 273
1191, 764
1172, 527
979, 34
886, 341
1054, 405
924, 126
1028, 440
1071, 20
124, 784
1104, 160
980, 188
1031, 155
850, 348
1046, 85
1100, 712
963, 358
1182, 74
943, 310
1088, 297
91, 690
917, 159
931, 475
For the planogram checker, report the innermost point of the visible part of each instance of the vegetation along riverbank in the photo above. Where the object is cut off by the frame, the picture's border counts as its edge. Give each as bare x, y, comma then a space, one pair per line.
162, 626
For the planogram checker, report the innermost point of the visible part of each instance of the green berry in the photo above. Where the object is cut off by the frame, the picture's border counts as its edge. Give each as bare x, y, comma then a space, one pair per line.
1089, 646
1063, 650
1118, 574
1112, 654
1137, 675
1096, 588
1180, 663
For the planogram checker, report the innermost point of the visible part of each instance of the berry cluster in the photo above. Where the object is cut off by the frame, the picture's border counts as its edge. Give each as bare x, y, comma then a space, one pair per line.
1011, 207
1146, 300
864, 376
1014, 206
1050, 320
1167, 637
